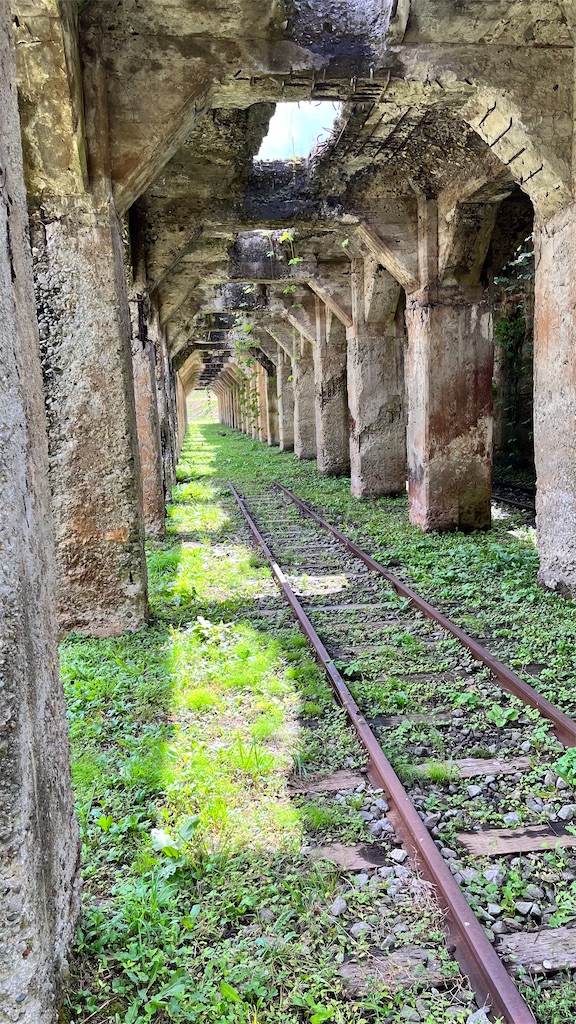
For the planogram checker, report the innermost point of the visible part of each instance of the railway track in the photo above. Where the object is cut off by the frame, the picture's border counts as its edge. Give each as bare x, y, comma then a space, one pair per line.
517, 497
463, 749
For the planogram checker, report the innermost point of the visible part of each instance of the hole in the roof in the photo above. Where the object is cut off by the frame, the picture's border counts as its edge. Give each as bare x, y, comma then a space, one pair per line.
296, 129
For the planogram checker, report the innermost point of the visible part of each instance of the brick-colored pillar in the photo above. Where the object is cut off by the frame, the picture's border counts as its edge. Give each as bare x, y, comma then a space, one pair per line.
449, 383
304, 414
285, 402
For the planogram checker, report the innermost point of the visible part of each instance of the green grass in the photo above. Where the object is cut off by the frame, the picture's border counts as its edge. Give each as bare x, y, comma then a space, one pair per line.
185, 734
198, 905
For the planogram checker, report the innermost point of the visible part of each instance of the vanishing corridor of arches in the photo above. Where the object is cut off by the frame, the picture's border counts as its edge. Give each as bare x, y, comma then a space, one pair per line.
305, 207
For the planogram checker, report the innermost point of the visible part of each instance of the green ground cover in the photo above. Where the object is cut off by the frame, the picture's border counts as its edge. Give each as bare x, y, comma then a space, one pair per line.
198, 904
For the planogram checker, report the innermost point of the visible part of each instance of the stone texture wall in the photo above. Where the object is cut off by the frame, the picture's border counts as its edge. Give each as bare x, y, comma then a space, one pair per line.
39, 848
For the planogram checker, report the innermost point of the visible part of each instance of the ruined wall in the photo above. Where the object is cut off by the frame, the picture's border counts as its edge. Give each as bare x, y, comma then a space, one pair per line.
39, 849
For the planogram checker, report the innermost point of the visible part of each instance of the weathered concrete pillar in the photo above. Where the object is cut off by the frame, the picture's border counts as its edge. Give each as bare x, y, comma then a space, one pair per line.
164, 395
555, 400
285, 402
449, 382
375, 384
147, 420
262, 406
304, 414
254, 413
331, 395
272, 423
39, 846
87, 362
94, 463
246, 406
449, 378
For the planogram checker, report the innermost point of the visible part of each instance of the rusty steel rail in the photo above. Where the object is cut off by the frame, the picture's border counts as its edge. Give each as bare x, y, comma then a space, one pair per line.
475, 954
564, 726
525, 506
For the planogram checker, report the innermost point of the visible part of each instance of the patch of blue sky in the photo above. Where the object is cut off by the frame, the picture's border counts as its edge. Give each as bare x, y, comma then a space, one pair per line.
296, 128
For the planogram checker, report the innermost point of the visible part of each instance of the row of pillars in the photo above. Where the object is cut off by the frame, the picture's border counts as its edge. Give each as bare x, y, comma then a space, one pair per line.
401, 390
348, 397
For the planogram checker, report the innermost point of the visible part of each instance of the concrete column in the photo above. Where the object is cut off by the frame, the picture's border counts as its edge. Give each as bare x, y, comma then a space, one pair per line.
39, 846
262, 406
164, 397
449, 383
181, 412
285, 402
94, 460
304, 414
272, 422
331, 395
232, 406
246, 403
147, 421
254, 413
375, 385
555, 400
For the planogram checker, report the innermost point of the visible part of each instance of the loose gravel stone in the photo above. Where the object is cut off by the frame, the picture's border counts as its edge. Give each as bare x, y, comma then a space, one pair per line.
499, 927
474, 790
338, 907
359, 929
566, 813
523, 908
512, 818
480, 1017
399, 856
381, 804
